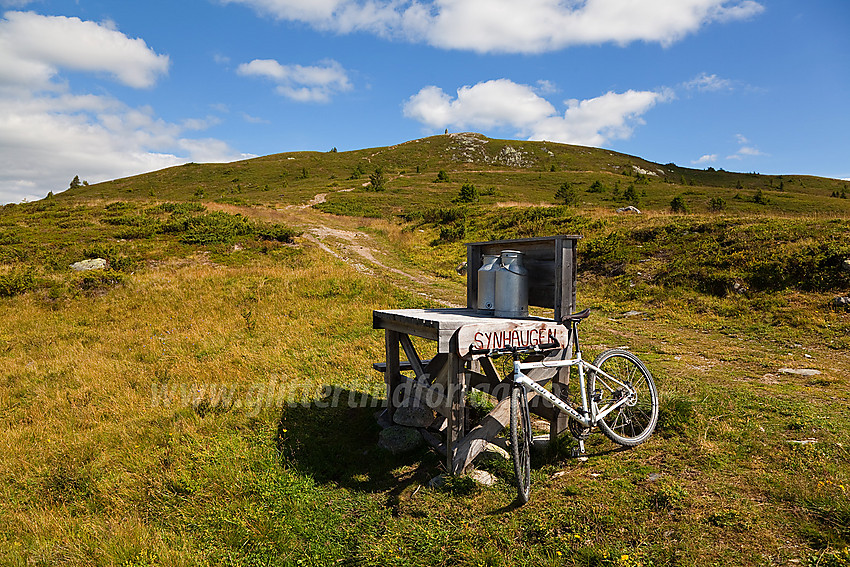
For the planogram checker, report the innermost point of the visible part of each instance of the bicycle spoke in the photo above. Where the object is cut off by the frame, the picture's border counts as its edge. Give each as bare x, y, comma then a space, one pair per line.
634, 420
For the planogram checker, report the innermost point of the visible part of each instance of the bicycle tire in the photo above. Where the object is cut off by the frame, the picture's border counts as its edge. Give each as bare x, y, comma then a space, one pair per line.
633, 422
520, 437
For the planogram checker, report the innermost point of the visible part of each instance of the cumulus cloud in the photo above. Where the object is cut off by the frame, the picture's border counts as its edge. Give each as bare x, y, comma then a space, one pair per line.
300, 83
707, 158
49, 134
502, 103
47, 139
33, 48
531, 26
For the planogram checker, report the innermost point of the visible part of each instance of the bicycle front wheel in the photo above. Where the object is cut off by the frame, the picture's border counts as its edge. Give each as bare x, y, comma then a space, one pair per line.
520, 436
633, 422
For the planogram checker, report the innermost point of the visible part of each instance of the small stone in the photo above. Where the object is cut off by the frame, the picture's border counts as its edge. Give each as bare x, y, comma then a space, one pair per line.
738, 288
482, 477
653, 477
398, 439
416, 416
383, 419
91, 264
493, 453
632, 313
845, 265
800, 371
629, 209
437, 481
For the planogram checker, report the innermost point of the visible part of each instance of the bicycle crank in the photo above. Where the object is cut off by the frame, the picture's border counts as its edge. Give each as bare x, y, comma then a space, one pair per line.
579, 431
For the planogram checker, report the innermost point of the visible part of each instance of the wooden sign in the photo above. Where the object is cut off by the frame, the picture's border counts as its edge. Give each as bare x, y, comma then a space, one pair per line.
511, 333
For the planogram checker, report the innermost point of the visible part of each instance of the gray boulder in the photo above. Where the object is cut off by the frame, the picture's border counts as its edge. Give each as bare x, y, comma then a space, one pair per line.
399, 439
841, 303
91, 264
414, 416
629, 209
800, 371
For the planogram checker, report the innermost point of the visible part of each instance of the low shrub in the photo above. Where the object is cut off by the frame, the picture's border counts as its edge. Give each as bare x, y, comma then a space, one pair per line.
16, 283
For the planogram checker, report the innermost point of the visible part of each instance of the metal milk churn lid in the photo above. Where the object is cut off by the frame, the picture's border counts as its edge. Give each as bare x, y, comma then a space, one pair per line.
511, 286
487, 283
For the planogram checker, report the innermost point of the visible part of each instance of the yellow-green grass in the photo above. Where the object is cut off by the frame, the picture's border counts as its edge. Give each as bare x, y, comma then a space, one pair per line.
254, 461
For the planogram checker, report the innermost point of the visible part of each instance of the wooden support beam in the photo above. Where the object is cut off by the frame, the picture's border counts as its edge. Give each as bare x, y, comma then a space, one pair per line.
412, 356
457, 414
490, 370
475, 442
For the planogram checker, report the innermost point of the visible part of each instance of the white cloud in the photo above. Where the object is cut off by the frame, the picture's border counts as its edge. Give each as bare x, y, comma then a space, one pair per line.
504, 104
490, 104
47, 139
49, 135
705, 83
254, 119
745, 150
33, 48
707, 158
300, 83
531, 26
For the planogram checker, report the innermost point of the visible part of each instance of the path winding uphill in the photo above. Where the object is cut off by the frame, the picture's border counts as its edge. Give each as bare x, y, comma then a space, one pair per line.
338, 237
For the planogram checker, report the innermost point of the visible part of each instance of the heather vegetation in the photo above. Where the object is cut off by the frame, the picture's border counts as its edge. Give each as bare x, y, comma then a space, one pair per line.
208, 396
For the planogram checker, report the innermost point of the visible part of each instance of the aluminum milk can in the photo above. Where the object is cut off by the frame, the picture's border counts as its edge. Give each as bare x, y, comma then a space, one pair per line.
511, 286
487, 283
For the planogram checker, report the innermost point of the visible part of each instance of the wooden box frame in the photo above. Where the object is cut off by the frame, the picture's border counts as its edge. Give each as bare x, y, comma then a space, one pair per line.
551, 265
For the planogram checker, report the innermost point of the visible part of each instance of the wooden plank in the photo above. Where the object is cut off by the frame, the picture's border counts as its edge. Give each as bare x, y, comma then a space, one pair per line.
508, 333
440, 375
404, 366
472, 259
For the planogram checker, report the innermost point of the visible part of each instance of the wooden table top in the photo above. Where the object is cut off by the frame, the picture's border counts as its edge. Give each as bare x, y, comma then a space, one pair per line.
439, 324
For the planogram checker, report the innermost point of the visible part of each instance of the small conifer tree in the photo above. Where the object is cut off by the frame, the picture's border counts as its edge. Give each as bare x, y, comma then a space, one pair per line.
677, 205
567, 193
468, 194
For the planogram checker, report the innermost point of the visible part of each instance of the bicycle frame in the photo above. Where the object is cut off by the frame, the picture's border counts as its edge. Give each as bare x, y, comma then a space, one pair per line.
588, 405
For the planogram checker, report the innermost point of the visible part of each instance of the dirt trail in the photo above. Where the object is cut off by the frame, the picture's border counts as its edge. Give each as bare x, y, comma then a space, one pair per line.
355, 247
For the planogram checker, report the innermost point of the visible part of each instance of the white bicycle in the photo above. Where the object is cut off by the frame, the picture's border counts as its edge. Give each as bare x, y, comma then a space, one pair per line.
618, 395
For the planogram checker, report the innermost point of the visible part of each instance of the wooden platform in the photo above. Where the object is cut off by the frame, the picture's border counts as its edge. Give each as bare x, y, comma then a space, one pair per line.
444, 381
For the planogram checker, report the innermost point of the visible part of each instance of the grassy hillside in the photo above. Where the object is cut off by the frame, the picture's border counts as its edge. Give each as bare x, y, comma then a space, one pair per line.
503, 171
209, 398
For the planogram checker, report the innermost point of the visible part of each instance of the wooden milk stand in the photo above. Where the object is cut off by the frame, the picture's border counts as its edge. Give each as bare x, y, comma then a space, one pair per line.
444, 381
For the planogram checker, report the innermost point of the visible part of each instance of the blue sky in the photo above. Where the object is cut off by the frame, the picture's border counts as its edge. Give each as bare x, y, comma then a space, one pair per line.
105, 89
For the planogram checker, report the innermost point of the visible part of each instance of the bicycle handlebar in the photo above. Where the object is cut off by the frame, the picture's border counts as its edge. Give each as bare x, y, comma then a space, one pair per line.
514, 350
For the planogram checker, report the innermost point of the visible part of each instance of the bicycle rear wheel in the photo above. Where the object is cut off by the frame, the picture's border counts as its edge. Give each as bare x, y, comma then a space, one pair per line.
520, 436
633, 422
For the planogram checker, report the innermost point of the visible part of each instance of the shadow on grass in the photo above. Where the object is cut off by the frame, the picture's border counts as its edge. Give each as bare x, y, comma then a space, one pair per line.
335, 440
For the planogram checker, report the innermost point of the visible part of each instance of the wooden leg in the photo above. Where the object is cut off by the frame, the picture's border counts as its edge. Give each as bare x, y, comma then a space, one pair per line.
457, 413
392, 377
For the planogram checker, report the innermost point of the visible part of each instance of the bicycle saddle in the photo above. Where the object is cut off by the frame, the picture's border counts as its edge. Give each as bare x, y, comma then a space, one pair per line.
576, 316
